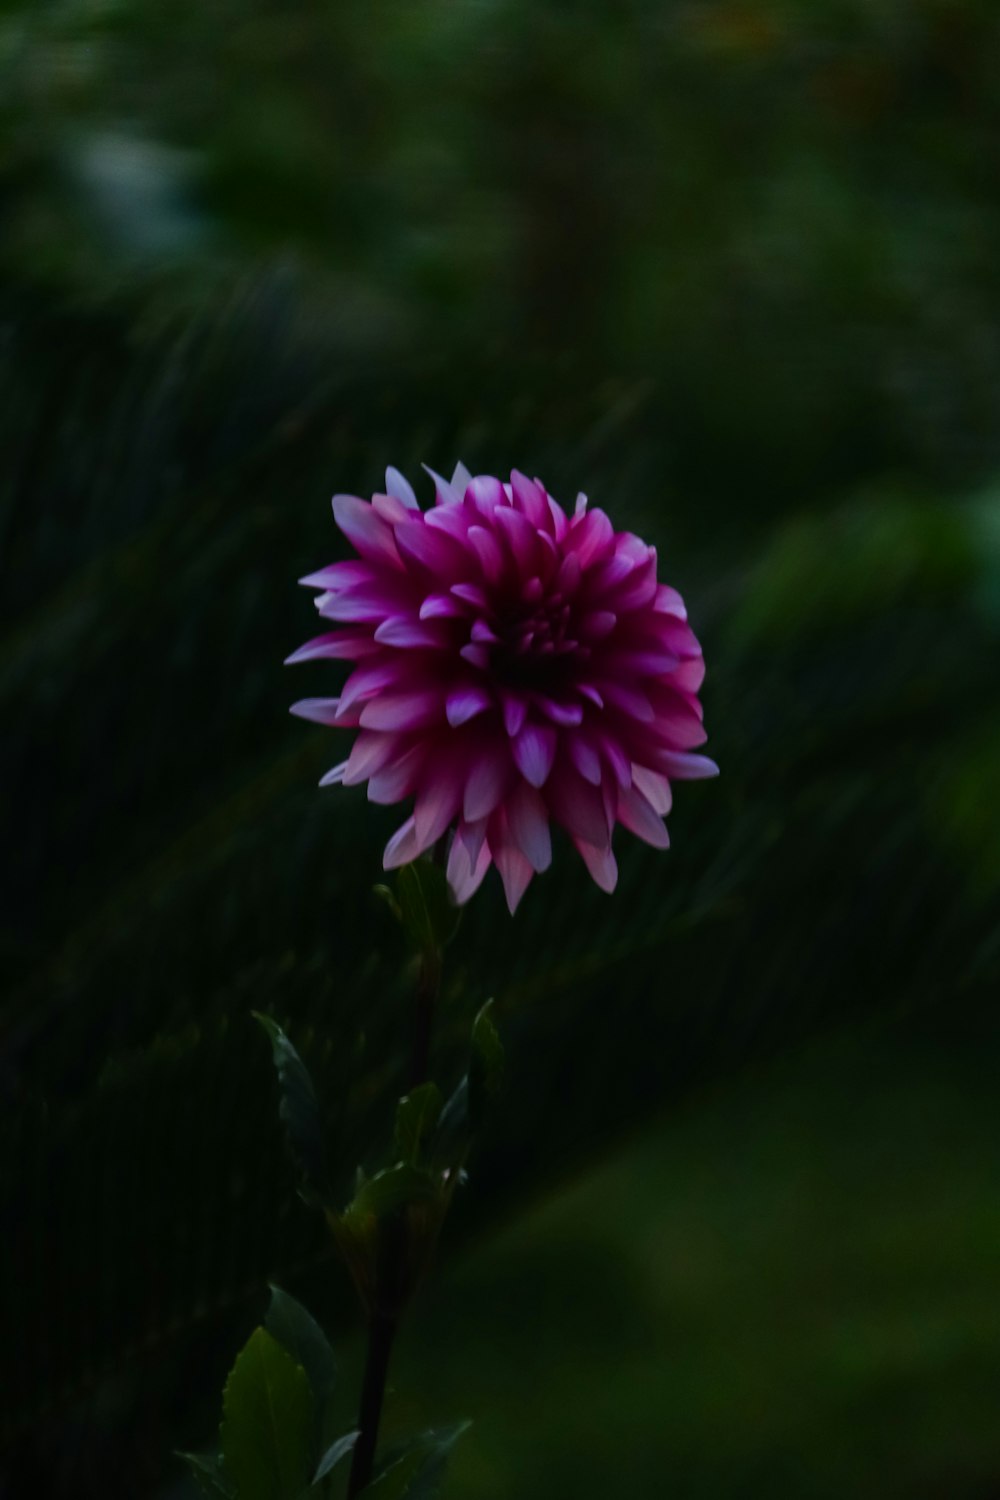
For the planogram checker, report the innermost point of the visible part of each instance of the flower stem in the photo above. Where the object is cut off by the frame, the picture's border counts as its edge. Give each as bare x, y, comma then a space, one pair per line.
427, 990
381, 1333
382, 1324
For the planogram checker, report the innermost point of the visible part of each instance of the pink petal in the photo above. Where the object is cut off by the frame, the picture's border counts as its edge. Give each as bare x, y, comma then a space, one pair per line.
487, 783
439, 799
690, 674
465, 703
570, 572
639, 663
601, 863
365, 529
585, 758
401, 488
440, 607
485, 494
416, 710
676, 722
471, 835
445, 493
521, 538
366, 680
534, 751
654, 787
616, 758
528, 821
668, 601
515, 872
370, 752
641, 818
579, 807
597, 624
465, 869
670, 634
549, 554
397, 779
390, 509
530, 499
683, 767
432, 550
515, 711
560, 523
637, 591
338, 644
591, 536
629, 699
407, 633
401, 848
335, 776
471, 593
488, 551
476, 656
365, 602
453, 520
564, 714
341, 575
318, 710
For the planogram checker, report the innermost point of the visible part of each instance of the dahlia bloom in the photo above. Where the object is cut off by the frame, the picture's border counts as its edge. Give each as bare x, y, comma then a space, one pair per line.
514, 666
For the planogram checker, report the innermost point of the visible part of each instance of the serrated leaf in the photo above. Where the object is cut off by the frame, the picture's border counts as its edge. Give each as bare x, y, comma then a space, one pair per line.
486, 1064
298, 1332
299, 1108
417, 1473
268, 1422
427, 911
334, 1454
211, 1476
416, 1117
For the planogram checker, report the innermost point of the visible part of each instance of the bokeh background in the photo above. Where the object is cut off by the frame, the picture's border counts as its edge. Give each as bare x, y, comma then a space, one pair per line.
734, 269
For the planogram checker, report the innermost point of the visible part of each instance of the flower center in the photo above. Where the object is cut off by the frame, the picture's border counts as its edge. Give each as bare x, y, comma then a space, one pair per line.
535, 644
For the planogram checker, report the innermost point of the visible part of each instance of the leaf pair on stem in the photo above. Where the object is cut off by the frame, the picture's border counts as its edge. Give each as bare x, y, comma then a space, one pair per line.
274, 1441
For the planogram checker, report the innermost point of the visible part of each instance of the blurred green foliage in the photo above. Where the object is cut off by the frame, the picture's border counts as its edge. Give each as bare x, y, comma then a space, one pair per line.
731, 269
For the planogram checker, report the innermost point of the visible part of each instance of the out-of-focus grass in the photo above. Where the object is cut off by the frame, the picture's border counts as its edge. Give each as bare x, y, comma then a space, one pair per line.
791, 1290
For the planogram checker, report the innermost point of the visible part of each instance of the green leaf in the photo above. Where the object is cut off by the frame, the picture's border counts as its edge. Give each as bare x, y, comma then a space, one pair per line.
416, 1117
417, 1473
486, 1065
452, 1137
267, 1422
334, 1454
427, 911
211, 1476
299, 1109
297, 1331
386, 894
392, 1189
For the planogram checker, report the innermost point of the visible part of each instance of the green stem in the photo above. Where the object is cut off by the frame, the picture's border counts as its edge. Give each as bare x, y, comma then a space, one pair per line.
382, 1324
423, 1021
381, 1333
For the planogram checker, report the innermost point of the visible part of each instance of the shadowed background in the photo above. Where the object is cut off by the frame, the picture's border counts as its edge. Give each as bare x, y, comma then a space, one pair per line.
733, 270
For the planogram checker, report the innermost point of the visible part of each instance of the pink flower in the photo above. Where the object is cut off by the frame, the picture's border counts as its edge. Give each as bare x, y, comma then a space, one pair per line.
514, 666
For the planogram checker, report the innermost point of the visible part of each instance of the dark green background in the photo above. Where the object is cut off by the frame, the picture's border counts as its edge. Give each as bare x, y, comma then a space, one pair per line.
733, 269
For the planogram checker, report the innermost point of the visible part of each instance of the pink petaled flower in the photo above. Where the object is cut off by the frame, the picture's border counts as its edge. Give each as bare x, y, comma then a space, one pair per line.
514, 666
